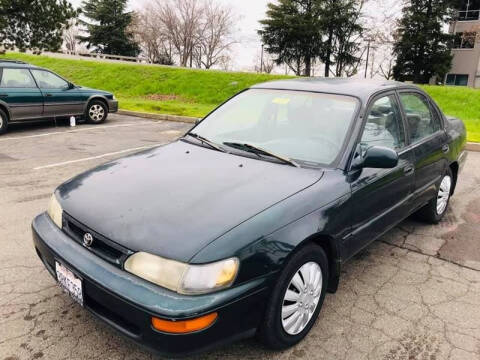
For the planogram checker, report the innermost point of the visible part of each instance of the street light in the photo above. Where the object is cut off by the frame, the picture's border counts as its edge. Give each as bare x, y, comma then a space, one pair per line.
368, 54
261, 60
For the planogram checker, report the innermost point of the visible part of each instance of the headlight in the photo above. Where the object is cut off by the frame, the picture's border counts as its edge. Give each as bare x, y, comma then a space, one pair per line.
180, 277
55, 211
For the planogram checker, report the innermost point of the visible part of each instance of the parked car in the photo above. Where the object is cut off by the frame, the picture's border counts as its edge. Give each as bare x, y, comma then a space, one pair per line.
28, 92
243, 225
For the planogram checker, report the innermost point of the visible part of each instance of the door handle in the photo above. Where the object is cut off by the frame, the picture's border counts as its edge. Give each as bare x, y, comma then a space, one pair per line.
3, 95
445, 148
48, 95
407, 170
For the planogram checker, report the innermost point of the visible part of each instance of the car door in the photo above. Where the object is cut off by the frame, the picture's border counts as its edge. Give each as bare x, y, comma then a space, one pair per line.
380, 197
60, 97
20, 93
428, 141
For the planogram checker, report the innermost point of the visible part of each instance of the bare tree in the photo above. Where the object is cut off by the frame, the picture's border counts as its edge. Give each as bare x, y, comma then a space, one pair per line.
70, 37
268, 63
152, 37
182, 21
215, 36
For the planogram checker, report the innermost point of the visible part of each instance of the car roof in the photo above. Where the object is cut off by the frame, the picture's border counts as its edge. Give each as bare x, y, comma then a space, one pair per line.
16, 64
361, 88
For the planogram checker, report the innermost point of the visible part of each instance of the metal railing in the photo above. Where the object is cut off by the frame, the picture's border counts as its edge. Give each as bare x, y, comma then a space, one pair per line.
469, 15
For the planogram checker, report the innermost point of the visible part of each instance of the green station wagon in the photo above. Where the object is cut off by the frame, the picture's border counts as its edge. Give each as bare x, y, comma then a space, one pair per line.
28, 93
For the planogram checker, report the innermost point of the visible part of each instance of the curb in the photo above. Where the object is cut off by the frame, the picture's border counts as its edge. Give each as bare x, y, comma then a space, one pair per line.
473, 146
164, 117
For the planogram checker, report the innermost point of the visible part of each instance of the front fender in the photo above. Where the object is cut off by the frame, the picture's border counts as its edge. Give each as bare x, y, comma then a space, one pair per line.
262, 244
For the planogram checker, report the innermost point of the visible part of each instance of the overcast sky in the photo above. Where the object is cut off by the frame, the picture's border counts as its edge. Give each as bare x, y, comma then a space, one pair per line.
249, 12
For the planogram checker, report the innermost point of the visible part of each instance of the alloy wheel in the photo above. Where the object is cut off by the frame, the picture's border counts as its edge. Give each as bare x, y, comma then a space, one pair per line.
301, 298
443, 194
96, 112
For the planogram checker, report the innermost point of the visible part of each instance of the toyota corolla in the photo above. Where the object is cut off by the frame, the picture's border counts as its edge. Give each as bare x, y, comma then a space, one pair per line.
240, 227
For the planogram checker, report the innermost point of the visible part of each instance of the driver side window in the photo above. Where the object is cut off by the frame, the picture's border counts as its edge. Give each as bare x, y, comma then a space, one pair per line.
384, 125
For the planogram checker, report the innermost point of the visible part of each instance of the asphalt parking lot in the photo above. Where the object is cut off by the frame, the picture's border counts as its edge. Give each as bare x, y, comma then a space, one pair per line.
414, 294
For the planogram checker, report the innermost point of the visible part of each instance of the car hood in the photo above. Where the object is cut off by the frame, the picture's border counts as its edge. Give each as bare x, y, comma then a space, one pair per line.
93, 91
176, 199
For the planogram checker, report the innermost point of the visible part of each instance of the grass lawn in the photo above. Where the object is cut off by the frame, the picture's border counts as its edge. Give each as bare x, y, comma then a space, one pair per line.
188, 92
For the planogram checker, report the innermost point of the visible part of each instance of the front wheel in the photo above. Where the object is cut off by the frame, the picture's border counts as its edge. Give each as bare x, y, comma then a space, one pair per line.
435, 210
97, 112
296, 299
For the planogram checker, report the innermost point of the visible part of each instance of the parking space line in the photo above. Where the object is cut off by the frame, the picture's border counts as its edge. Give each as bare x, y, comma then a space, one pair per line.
76, 130
96, 157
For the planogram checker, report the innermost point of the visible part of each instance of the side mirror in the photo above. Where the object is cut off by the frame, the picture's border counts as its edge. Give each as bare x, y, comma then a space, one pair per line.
377, 157
71, 86
197, 121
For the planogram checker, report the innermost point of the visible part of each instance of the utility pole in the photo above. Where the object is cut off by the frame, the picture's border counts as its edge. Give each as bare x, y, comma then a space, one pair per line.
368, 54
261, 60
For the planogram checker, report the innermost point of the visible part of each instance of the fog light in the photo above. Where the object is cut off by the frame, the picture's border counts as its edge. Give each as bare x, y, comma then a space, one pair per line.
184, 326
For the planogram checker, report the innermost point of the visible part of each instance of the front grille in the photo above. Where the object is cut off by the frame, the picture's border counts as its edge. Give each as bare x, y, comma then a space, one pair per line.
101, 246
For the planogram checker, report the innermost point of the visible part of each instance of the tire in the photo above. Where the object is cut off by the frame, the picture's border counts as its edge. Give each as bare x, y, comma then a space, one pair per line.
3, 122
97, 112
280, 332
435, 210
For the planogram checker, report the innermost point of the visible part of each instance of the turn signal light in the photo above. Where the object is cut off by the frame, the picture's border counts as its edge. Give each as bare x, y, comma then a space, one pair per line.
184, 326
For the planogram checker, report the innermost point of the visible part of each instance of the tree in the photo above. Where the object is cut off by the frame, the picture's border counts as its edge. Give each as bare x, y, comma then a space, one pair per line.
37, 25
182, 20
215, 36
108, 31
152, 37
421, 46
300, 31
70, 37
291, 31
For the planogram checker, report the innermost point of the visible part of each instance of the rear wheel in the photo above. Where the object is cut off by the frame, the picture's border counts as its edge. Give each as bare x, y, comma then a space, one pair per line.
3, 122
97, 112
435, 210
296, 299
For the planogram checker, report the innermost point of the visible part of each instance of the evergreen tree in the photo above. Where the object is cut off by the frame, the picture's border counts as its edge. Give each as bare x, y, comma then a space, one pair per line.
291, 31
108, 31
300, 31
422, 47
34, 24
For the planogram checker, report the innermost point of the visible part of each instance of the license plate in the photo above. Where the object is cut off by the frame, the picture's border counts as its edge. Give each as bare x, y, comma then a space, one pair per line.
69, 282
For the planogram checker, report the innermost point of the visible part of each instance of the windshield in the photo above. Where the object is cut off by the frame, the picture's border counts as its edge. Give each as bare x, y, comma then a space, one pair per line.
305, 126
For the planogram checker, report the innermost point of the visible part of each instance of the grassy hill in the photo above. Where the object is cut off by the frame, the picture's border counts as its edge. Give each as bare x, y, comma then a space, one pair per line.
190, 92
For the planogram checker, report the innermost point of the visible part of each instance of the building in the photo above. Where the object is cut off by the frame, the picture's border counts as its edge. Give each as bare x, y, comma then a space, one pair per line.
465, 69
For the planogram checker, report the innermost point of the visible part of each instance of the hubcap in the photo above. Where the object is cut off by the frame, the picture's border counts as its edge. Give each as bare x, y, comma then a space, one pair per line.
96, 112
443, 194
301, 298
1, 122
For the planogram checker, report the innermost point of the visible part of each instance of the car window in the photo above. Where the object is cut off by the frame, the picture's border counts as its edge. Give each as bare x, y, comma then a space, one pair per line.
421, 122
17, 78
48, 80
384, 125
304, 126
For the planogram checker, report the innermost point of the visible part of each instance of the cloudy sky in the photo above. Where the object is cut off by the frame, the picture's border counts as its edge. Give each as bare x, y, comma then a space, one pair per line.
249, 12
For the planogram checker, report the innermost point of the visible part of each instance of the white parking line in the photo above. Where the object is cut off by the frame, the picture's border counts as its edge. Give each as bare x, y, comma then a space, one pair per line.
95, 157
76, 130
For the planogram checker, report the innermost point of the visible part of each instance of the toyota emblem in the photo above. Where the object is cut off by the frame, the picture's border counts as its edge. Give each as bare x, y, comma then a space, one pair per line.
87, 240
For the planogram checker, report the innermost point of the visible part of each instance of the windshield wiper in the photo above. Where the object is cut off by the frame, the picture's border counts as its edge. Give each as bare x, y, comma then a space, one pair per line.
259, 151
206, 141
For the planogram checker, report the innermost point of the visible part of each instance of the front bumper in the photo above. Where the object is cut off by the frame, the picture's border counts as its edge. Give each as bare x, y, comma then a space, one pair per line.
127, 302
112, 106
